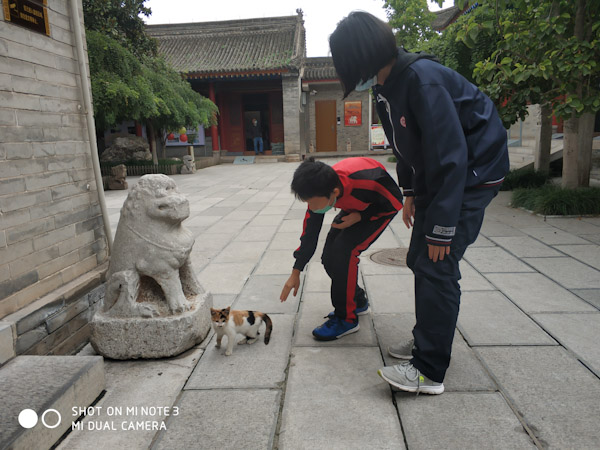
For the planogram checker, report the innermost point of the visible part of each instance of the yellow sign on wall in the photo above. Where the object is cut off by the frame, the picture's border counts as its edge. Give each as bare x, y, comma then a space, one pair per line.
31, 14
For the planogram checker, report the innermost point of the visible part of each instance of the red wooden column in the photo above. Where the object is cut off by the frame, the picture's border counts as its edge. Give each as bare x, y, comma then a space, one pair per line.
213, 129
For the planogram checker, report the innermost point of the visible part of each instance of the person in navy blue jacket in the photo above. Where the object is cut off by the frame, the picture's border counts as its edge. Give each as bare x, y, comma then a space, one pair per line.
368, 199
452, 156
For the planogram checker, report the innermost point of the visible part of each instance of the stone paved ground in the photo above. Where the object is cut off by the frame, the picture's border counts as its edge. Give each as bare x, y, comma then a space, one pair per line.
526, 361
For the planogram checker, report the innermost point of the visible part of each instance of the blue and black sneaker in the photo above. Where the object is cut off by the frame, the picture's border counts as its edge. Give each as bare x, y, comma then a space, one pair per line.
362, 304
335, 328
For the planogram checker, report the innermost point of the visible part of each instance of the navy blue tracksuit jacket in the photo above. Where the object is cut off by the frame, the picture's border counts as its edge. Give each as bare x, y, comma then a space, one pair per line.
452, 157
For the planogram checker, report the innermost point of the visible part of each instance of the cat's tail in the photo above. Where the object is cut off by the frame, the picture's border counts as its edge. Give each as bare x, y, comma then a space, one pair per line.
267, 320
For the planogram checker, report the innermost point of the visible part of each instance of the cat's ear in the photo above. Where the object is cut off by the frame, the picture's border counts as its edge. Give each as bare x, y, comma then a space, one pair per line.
227, 309
213, 311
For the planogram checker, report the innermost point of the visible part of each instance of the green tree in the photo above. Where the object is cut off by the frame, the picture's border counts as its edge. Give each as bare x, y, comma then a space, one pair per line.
411, 21
120, 20
146, 89
548, 53
129, 82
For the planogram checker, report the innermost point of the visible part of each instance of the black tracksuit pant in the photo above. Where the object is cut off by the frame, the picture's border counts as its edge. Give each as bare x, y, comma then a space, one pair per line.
437, 292
340, 259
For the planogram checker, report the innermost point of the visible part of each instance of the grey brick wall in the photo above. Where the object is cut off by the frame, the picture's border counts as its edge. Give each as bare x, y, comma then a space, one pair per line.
291, 113
358, 136
51, 230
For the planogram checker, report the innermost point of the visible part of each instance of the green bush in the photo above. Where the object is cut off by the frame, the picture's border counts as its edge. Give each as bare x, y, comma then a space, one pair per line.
552, 200
524, 178
392, 159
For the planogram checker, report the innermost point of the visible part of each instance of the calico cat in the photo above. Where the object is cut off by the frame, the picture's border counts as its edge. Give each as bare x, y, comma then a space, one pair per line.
230, 323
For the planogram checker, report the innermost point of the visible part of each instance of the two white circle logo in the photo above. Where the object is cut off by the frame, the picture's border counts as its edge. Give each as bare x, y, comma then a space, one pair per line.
28, 418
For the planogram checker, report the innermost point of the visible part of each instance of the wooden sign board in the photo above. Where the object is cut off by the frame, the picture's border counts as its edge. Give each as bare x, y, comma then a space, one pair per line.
31, 14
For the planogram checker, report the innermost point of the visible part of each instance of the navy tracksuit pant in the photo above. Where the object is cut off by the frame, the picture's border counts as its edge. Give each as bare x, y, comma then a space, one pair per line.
340, 259
437, 292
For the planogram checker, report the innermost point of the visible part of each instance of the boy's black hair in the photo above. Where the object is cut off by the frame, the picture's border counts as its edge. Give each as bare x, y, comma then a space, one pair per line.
361, 46
314, 179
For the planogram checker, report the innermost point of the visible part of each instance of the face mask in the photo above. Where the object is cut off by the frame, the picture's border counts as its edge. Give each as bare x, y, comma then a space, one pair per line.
366, 84
327, 208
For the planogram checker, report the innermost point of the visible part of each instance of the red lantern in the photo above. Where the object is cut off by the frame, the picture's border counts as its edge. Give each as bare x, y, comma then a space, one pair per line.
183, 137
170, 137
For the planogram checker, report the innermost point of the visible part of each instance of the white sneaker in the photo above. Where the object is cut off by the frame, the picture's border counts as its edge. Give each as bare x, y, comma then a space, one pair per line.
407, 377
403, 350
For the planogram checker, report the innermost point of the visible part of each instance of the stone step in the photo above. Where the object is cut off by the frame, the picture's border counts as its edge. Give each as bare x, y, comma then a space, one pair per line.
46, 386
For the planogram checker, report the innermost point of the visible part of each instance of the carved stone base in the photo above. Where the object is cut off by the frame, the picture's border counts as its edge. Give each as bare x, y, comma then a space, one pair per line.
157, 337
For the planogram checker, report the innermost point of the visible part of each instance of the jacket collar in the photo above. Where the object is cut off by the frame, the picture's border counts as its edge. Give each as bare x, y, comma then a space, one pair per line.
403, 60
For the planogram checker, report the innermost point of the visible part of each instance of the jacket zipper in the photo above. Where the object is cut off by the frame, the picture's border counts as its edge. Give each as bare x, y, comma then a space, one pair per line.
389, 111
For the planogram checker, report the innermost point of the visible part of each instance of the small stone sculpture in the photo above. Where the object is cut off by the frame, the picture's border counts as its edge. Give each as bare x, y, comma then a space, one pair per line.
189, 165
154, 306
117, 179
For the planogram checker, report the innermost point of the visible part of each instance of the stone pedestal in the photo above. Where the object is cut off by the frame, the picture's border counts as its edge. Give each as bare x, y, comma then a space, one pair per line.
153, 337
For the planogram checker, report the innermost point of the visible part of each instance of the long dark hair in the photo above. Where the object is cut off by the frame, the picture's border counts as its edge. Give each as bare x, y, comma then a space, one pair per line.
361, 46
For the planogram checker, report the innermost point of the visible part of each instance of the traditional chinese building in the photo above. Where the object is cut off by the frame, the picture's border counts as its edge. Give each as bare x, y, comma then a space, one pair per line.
257, 68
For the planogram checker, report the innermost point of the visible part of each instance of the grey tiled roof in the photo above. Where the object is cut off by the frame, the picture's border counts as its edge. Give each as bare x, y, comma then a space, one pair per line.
445, 17
235, 47
319, 69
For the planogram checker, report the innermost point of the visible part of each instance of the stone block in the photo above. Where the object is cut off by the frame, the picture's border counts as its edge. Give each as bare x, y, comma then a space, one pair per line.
568, 272
465, 372
471, 280
349, 376
489, 318
266, 220
41, 383
533, 292
60, 318
235, 428
493, 227
225, 278
314, 308
545, 385
591, 296
391, 294
134, 392
239, 252
261, 293
580, 333
263, 233
7, 342
485, 421
317, 279
285, 241
256, 365
276, 262
151, 337
574, 226
29, 339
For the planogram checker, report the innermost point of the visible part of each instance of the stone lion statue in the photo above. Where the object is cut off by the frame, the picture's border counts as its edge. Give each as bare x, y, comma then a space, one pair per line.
150, 272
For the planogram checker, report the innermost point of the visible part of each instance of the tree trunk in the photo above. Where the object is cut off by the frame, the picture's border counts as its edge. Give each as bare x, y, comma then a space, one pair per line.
152, 142
543, 139
577, 151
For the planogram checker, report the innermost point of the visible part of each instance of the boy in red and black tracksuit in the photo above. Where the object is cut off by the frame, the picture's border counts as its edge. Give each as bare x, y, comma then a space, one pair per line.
369, 199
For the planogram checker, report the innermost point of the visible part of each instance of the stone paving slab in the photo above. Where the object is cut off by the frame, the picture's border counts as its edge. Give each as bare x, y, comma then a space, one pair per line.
225, 278
493, 260
369, 267
592, 296
261, 293
589, 254
221, 301
533, 292
276, 262
250, 233
291, 226
335, 400
222, 419
239, 214
465, 372
471, 280
386, 240
391, 294
226, 226
491, 228
250, 366
133, 384
555, 394
568, 272
594, 238
266, 220
523, 246
317, 279
580, 333
574, 225
489, 318
464, 420
285, 241
201, 220
314, 309
553, 236
239, 252
482, 241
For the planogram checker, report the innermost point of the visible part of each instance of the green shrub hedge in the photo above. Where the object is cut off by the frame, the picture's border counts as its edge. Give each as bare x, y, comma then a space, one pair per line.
553, 200
524, 178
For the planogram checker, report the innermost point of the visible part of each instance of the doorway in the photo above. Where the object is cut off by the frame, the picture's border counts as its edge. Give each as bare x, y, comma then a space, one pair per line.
326, 124
256, 106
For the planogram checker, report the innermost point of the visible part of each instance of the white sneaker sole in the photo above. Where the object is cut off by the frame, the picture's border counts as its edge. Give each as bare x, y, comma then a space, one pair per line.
366, 311
353, 330
435, 390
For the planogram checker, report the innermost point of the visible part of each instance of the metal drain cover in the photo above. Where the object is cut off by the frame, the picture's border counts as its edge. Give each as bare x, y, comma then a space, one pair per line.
390, 256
